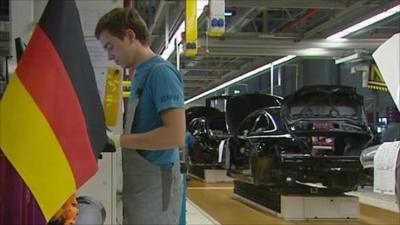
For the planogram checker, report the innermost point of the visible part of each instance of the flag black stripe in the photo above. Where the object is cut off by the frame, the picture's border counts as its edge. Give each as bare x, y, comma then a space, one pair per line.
61, 23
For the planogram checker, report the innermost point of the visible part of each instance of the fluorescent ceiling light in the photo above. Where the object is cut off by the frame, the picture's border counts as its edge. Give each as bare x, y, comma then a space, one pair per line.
228, 14
353, 57
313, 52
242, 77
366, 23
177, 36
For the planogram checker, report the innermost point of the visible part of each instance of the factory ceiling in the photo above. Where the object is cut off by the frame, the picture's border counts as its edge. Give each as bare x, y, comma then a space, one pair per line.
260, 31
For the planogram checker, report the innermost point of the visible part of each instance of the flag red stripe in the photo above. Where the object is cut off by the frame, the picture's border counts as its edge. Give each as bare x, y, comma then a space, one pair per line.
43, 74
60, 21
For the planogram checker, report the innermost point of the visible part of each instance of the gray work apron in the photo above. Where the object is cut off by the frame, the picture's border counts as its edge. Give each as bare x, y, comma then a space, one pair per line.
151, 194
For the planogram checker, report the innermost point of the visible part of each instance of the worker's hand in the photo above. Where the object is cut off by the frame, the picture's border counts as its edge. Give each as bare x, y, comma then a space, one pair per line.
113, 141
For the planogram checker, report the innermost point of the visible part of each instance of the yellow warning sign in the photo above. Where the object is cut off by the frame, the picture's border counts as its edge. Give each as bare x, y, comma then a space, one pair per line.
375, 79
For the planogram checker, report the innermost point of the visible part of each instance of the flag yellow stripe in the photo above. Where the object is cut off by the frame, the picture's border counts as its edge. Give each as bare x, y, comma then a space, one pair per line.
39, 159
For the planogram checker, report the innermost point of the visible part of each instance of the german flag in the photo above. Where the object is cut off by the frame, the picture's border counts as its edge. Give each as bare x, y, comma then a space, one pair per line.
52, 125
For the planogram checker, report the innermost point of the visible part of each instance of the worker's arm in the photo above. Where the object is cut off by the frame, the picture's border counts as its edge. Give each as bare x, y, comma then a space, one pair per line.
170, 135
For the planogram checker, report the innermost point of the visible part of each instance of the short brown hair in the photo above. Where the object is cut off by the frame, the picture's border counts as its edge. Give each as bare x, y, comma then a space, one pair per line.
119, 19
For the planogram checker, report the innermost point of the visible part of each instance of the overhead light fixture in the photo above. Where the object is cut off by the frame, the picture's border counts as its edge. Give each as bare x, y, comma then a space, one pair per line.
177, 36
347, 58
242, 77
356, 57
365, 23
228, 14
229, 11
313, 52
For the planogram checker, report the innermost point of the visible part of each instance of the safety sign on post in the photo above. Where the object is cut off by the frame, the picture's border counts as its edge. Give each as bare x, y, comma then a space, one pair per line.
190, 49
375, 79
216, 22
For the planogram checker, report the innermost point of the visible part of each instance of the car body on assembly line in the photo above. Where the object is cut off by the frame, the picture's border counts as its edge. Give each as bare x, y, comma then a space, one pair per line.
308, 143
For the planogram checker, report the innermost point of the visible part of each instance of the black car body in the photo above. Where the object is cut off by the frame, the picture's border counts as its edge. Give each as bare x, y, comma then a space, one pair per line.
250, 117
315, 146
207, 125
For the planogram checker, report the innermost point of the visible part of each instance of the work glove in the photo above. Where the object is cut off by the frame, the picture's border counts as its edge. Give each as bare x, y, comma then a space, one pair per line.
113, 141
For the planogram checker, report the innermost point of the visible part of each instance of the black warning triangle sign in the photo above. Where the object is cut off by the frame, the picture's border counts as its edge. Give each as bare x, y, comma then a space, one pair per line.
375, 79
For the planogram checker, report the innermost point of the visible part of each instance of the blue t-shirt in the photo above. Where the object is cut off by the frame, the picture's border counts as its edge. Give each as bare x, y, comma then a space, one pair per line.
162, 90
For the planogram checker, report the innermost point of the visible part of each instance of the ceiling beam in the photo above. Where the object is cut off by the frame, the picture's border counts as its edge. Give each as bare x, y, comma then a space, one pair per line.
230, 75
238, 34
198, 77
194, 85
221, 69
338, 20
243, 17
304, 4
273, 47
188, 94
175, 11
274, 52
191, 89
157, 19
233, 42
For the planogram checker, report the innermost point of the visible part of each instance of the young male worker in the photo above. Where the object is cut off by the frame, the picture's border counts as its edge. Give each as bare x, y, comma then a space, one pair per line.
154, 124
